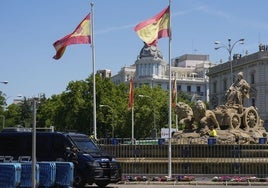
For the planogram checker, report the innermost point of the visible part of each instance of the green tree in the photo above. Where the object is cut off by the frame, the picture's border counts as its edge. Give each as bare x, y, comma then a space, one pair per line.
2, 102
73, 109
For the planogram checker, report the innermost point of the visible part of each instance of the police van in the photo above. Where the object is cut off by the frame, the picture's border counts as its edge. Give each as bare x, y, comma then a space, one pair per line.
92, 164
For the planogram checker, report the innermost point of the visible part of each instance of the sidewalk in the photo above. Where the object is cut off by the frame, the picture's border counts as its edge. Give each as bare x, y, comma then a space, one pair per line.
199, 184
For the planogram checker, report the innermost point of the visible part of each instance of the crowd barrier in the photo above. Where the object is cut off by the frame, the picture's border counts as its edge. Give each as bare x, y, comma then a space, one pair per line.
48, 174
189, 157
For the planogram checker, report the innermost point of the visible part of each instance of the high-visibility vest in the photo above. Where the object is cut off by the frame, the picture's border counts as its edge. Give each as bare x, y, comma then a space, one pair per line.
213, 133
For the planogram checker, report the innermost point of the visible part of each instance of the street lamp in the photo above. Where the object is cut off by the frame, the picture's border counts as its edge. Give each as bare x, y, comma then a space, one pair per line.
107, 106
34, 101
4, 82
142, 96
229, 48
18, 96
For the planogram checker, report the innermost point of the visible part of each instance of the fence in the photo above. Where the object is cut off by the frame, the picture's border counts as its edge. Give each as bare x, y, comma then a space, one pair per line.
190, 156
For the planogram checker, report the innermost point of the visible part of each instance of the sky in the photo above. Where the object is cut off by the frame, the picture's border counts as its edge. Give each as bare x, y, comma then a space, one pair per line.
29, 28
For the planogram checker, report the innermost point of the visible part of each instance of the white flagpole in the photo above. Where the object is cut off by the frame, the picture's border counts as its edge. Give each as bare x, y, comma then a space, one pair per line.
170, 98
176, 98
93, 70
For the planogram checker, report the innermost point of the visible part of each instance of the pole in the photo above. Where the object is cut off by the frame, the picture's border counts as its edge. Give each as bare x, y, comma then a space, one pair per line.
155, 131
229, 48
132, 123
169, 117
93, 70
176, 98
34, 144
230, 59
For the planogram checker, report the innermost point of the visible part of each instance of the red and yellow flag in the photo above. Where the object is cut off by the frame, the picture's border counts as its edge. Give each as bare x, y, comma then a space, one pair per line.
155, 28
81, 35
131, 94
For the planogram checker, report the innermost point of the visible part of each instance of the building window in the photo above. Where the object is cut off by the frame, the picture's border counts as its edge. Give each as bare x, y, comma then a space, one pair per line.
179, 87
225, 85
253, 102
215, 87
156, 69
252, 78
198, 89
188, 88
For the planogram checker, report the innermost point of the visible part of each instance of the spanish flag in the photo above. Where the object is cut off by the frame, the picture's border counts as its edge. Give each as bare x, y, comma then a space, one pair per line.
154, 28
81, 35
131, 94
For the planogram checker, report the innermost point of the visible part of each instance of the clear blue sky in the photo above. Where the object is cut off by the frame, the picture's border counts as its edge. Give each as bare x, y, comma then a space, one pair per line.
30, 27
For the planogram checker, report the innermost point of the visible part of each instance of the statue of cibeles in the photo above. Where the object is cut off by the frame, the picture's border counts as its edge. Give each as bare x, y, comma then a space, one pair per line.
238, 91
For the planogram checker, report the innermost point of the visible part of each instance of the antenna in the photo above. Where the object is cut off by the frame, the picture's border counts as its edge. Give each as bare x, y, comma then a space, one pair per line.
194, 50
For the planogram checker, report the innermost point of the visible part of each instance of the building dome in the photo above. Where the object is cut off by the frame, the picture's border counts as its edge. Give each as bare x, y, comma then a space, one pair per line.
150, 51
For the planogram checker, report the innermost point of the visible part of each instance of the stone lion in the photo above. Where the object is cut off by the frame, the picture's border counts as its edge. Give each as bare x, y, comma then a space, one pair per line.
185, 115
204, 117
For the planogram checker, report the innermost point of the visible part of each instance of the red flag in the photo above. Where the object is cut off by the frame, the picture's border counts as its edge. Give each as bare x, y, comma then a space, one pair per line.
131, 94
174, 93
155, 28
81, 35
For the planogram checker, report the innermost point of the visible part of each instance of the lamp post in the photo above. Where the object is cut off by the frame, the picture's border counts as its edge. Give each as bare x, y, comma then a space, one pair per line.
18, 96
110, 108
34, 102
4, 82
142, 96
229, 48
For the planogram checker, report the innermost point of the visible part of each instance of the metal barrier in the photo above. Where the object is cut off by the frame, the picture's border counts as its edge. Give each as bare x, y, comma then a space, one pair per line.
188, 157
48, 174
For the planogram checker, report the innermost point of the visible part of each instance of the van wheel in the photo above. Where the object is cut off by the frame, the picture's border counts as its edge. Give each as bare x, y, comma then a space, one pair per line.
102, 183
79, 182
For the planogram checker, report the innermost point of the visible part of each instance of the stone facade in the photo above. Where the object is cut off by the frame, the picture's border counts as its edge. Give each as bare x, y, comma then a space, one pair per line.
254, 67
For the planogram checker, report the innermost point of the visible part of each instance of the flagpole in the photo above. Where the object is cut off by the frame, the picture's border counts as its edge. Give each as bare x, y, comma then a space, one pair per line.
93, 69
169, 119
176, 98
132, 125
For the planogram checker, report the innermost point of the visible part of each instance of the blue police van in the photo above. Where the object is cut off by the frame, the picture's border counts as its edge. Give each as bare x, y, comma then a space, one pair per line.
92, 164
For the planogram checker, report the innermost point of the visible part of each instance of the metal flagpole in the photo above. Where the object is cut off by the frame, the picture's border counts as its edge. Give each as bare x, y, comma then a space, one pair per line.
93, 69
34, 185
169, 117
176, 98
132, 123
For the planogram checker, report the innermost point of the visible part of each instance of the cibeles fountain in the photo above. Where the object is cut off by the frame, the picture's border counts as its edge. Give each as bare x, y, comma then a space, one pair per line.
233, 122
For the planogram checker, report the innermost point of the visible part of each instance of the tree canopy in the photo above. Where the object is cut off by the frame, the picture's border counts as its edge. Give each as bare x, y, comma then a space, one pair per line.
72, 110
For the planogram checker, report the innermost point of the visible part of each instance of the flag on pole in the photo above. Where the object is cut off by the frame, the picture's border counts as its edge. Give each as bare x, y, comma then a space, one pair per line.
154, 28
131, 94
174, 93
81, 35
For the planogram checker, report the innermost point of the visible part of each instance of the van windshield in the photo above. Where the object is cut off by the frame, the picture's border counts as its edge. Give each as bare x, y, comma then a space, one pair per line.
85, 144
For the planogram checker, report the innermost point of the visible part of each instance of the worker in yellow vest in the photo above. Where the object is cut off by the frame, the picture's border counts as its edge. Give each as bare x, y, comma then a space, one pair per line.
212, 132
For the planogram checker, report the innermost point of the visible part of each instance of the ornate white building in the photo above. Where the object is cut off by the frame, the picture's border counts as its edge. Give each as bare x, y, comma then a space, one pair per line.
150, 68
